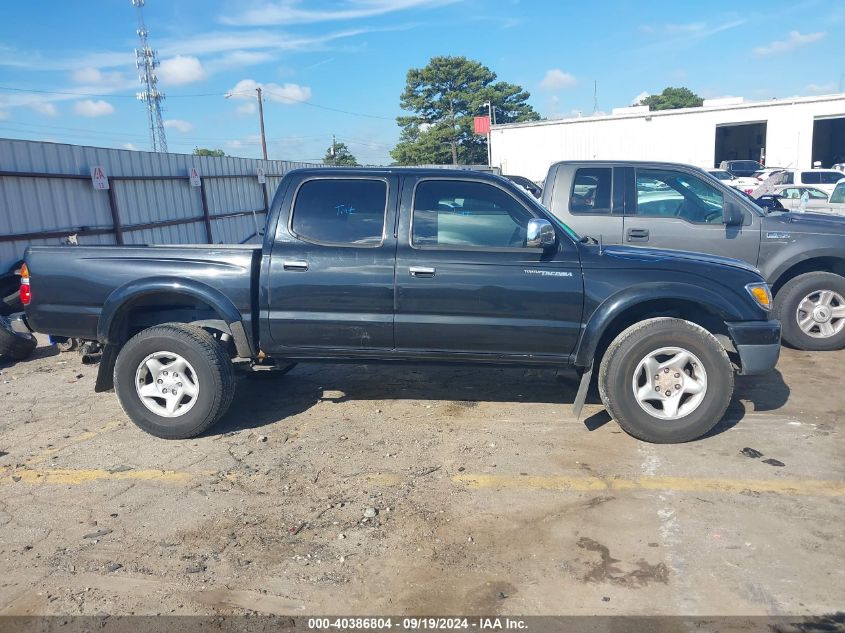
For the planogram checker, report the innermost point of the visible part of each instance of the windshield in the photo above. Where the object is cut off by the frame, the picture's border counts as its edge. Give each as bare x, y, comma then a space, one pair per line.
745, 165
545, 213
838, 194
721, 175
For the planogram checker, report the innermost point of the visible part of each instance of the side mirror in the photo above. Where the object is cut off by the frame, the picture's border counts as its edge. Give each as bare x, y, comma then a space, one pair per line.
540, 234
732, 214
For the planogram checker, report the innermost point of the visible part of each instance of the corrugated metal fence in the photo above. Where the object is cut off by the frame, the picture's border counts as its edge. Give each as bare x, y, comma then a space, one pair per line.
46, 195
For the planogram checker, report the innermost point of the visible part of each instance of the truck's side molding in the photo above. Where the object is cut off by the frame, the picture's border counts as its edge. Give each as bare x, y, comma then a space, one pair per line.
646, 296
121, 300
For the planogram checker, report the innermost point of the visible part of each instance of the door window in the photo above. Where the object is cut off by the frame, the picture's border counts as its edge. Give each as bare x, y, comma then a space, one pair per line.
673, 194
462, 214
342, 212
591, 190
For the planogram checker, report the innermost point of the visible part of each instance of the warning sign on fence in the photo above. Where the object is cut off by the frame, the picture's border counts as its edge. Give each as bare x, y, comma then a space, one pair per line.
99, 178
195, 177
262, 178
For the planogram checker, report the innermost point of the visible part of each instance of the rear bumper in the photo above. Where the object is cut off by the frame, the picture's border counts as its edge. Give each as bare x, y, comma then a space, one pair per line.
18, 323
758, 345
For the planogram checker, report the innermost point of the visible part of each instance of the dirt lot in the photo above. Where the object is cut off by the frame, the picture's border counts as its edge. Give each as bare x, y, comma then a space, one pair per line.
490, 497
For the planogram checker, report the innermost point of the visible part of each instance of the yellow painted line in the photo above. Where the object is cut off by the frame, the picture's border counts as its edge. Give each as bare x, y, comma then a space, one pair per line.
805, 487
72, 476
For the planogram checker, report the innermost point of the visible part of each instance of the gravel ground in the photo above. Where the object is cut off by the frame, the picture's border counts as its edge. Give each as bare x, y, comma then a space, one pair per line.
419, 490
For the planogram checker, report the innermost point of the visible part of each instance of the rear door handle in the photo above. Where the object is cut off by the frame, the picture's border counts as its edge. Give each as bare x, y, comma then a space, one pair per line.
421, 271
638, 235
299, 265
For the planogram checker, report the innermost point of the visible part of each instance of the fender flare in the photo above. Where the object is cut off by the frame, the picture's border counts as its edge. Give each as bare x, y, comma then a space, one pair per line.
122, 298
620, 302
785, 265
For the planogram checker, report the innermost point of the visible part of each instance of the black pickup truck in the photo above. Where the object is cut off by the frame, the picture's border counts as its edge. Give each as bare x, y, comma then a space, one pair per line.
409, 265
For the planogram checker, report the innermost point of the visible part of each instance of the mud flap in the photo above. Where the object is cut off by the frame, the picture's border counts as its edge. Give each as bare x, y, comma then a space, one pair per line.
581, 395
105, 373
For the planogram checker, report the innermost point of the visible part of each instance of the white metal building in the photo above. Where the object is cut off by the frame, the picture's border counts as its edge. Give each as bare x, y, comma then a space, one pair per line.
784, 132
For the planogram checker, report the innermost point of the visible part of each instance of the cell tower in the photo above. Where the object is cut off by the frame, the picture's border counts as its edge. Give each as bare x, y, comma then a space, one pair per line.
146, 60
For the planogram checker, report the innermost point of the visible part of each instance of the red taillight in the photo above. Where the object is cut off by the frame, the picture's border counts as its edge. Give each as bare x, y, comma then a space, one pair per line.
26, 291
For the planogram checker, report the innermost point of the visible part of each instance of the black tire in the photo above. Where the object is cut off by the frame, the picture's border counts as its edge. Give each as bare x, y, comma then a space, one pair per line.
213, 373
620, 362
13, 345
11, 303
788, 300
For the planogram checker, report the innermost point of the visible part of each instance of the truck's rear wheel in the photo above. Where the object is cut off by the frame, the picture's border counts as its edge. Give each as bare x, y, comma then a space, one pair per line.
811, 309
666, 380
174, 380
14, 345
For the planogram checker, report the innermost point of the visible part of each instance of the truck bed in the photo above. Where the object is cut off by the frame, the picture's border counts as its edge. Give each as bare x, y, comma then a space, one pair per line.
71, 285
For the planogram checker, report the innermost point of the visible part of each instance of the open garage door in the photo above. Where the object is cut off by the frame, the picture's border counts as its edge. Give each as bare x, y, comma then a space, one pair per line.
740, 141
829, 140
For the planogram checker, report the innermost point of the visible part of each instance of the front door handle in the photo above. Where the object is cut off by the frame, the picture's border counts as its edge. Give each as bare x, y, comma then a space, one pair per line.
421, 271
299, 265
638, 235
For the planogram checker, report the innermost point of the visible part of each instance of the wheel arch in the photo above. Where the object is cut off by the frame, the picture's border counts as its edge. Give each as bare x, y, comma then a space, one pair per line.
621, 310
827, 262
179, 300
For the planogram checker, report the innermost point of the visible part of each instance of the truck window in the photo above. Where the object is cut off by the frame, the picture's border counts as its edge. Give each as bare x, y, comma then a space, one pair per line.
591, 190
838, 195
459, 214
673, 194
343, 212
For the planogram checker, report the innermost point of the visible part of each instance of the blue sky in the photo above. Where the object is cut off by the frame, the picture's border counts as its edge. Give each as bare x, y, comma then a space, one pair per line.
338, 67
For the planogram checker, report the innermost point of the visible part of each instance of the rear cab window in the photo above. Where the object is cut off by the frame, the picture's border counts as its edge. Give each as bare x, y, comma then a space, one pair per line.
340, 212
592, 189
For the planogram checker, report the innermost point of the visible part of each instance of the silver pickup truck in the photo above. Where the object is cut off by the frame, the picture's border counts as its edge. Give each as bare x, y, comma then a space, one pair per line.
673, 206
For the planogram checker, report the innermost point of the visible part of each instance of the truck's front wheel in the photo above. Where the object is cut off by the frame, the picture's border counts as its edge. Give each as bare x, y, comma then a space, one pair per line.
666, 380
811, 309
174, 380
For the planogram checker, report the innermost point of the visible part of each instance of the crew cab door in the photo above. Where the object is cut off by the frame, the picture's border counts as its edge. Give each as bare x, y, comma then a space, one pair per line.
329, 281
668, 208
589, 198
467, 285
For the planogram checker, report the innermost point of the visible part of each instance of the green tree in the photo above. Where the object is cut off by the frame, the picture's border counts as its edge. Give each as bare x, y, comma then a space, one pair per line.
444, 97
202, 151
342, 156
673, 98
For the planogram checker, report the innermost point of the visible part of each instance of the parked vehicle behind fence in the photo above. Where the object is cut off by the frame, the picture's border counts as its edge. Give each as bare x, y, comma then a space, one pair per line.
409, 265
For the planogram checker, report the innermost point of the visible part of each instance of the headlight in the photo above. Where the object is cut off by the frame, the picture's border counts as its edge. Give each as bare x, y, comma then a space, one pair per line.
761, 294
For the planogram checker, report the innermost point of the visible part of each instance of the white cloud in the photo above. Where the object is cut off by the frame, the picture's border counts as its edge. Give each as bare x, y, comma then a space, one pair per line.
691, 27
288, 93
238, 59
793, 41
821, 89
44, 107
556, 79
95, 77
179, 125
92, 109
247, 108
130, 146
292, 12
180, 70
639, 98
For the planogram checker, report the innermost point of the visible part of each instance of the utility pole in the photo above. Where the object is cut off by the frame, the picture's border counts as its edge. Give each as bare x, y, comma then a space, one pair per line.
261, 118
489, 133
334, 151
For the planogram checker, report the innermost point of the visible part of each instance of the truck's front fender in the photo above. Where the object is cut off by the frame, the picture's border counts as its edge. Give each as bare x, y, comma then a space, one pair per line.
624, 301
121, 300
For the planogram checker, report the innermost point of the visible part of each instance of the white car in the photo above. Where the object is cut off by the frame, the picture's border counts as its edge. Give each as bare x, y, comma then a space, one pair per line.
746, 184
824, 179
798, 198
